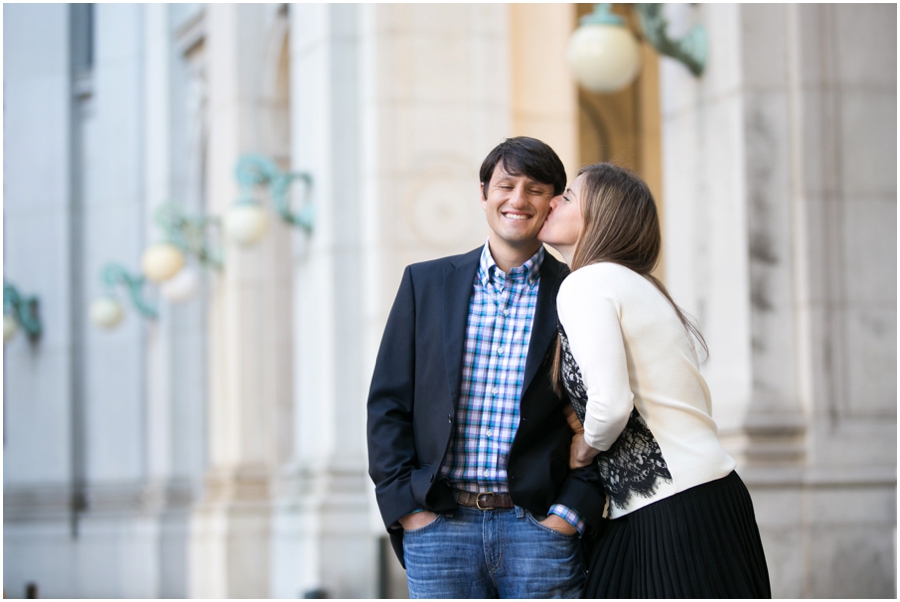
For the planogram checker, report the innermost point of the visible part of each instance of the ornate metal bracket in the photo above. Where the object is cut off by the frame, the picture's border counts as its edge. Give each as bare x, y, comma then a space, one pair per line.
257, 170
189, 233
115, 274
24, 309
602, 15
691, 50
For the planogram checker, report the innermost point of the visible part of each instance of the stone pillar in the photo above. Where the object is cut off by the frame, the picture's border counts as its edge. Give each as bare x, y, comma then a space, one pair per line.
792, 124
117, 532
842, 86
248, 346
175, 368
393, 109
437, 97
157, 189
544, 91
705, 187
38, 396
320, 541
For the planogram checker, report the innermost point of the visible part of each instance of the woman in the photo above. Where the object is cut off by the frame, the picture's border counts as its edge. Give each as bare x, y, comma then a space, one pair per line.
682, 522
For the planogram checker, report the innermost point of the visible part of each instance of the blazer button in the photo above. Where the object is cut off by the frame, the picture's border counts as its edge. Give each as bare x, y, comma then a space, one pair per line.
431, 480
450, 418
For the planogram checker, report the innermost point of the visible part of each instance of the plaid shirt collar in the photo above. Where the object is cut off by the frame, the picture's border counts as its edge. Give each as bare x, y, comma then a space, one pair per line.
530, 271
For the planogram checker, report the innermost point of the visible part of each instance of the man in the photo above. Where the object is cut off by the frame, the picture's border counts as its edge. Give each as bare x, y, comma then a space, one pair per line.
468, 445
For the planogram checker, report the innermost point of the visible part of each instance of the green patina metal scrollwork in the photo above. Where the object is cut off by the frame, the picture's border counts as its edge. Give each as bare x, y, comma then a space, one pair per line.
24, 309
114, 274
691, 49
256, 170
189, 233
602, 15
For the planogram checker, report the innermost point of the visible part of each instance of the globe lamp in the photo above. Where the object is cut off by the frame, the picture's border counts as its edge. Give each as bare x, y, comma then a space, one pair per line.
106, 312
161, 261
603, 54
10, 327
182, 286
246, 222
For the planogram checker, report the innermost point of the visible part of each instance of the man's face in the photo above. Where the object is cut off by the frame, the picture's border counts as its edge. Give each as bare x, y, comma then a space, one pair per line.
516, 207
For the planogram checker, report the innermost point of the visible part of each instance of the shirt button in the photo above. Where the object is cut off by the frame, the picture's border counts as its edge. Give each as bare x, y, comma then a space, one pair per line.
505, 312
500, 351
489, 433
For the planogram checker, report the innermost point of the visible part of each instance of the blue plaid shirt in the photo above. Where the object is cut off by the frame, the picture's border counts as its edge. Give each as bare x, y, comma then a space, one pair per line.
501, 314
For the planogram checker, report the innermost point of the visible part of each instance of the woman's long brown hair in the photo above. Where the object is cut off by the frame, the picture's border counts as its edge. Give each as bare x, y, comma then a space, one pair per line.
620, 225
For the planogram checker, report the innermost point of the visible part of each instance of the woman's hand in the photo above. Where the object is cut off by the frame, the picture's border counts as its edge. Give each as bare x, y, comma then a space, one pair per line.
572, 419
581, 454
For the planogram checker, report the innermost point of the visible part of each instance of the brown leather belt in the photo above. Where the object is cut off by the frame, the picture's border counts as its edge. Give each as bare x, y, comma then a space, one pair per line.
483, 501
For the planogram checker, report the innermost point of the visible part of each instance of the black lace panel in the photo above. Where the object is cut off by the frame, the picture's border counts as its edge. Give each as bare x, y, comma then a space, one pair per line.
634, 465
571, 376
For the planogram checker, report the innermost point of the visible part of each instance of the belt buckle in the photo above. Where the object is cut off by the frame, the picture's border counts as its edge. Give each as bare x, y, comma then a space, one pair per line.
478, 501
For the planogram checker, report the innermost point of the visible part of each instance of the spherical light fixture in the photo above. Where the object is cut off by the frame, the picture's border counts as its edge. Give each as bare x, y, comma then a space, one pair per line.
603, 54
106, 312
161, 261
182, 286
10, 327
246, 222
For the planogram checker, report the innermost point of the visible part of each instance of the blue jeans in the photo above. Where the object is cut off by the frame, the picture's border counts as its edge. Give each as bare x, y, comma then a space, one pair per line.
492, 554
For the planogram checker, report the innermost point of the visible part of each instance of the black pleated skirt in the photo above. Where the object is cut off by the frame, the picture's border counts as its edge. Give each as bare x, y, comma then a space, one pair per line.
700, 543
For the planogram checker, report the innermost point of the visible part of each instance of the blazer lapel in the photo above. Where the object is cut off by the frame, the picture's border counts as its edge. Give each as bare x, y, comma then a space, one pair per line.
544, 326
458, 287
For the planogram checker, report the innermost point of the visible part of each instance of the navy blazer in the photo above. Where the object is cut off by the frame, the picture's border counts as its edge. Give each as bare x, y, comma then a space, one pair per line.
415, 393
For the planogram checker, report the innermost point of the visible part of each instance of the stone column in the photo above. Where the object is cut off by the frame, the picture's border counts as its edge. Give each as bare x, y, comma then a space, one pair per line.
544, 92
437, 97
842, 90
248, 348
393, 108
320, 541
175, 365
780, 188
38, 379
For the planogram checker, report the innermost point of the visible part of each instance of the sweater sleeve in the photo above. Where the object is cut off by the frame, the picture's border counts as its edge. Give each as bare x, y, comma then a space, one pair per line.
589, 312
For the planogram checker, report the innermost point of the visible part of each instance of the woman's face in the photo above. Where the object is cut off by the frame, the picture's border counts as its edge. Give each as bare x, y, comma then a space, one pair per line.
563, 226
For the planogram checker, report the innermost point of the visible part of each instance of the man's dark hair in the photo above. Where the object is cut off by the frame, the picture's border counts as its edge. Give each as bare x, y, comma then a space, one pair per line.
525, 156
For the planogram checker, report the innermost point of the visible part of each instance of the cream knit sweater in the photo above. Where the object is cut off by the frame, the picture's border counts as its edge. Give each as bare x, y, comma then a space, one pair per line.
631, 352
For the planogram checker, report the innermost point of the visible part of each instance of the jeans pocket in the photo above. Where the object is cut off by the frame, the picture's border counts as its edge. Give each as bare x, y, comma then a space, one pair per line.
440, 517
534, 521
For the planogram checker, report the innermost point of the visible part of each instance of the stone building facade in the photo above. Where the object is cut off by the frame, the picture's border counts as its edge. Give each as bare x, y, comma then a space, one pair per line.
218, 450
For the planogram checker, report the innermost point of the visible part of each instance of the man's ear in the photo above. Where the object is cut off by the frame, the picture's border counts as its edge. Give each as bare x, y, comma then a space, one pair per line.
482, 194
